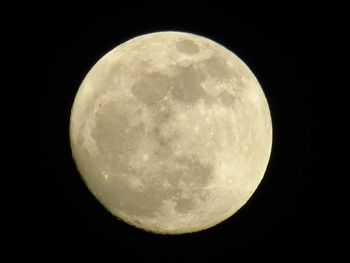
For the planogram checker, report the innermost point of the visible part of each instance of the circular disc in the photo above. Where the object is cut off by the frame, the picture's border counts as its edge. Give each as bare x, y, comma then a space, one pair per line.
171, 132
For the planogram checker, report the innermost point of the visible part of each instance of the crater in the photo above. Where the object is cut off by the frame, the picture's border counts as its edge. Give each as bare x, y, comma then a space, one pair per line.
112, 133
164, 142
187, 46
123, 197
190, 171
151, 88
226, 98
184, 205
162, 115
217, 67
186, 85
198, 174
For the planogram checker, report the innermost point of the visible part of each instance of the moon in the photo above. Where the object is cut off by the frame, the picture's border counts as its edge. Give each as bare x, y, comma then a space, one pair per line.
171, 132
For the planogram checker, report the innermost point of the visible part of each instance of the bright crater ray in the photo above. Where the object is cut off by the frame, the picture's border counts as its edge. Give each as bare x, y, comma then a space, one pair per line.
171, 132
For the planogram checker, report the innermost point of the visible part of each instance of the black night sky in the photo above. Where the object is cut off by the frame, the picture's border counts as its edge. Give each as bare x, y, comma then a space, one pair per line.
291, 212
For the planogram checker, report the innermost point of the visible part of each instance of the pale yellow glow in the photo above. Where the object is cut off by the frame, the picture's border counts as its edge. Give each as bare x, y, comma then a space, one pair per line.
171, 132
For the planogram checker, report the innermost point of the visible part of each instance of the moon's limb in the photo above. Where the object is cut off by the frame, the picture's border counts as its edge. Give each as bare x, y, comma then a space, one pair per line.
171, 132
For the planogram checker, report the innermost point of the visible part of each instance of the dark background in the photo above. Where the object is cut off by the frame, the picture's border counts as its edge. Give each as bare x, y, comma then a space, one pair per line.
290, 49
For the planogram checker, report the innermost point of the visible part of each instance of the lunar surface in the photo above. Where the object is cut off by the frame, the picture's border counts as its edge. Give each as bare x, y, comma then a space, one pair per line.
171, 132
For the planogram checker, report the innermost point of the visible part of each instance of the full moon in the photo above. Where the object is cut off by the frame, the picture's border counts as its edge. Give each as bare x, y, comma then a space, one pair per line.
171, 132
